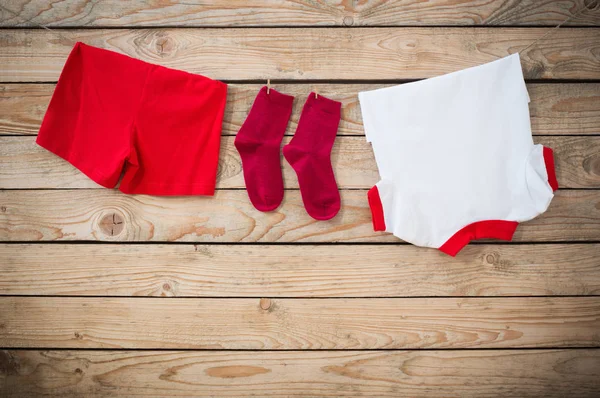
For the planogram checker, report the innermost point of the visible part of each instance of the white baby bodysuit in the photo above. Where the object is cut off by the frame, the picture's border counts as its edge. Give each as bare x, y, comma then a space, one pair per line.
456, 157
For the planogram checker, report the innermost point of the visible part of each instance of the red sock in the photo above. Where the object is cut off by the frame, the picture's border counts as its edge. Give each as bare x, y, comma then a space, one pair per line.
259, 143
309, 153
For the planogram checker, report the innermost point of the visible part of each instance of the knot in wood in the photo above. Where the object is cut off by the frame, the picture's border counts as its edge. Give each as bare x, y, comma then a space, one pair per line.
348, 21
9, 363
591, 5
491, 258
591, 165
265, 303
112, 224
164, 46
536, 71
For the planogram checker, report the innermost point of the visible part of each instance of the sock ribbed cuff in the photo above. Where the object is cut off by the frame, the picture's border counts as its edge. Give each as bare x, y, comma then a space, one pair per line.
324, 104
274, 97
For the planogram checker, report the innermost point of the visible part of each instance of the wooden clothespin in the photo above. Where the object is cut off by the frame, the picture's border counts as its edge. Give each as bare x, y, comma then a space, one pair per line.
316, 93
268, 86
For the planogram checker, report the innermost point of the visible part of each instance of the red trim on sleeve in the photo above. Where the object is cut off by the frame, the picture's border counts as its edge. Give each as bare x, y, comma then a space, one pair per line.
549, 161
376, 209
495, 229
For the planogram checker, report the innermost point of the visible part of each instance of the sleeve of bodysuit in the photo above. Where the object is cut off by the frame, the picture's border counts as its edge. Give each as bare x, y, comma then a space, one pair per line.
368, 108
541, 177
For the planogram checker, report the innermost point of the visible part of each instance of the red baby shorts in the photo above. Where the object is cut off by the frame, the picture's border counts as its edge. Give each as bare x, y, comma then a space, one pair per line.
112, 114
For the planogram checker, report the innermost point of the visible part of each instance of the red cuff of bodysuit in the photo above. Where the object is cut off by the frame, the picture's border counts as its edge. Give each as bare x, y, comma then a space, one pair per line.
488, 229
549, 161
376, 209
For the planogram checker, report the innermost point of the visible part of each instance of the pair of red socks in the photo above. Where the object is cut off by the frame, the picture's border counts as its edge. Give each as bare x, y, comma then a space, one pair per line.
309, 152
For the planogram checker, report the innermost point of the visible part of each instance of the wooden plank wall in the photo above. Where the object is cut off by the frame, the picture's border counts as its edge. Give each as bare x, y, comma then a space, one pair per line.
103, 294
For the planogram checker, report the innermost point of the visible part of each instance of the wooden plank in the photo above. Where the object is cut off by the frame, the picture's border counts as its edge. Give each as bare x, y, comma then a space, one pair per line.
556, 109
23, 164
281, 53
116, 13
277, 324
287, 271
473, 373
108, 215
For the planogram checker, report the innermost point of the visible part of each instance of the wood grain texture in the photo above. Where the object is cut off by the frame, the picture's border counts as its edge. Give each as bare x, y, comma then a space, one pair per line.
330, 298
108, 215
318, 53
556, 109
275, 324
84, 13
473, 373
24, 164
289, 271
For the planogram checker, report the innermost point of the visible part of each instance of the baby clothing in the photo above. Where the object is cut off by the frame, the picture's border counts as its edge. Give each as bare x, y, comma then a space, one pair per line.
110, 112
309, 154
259, 145
456, 157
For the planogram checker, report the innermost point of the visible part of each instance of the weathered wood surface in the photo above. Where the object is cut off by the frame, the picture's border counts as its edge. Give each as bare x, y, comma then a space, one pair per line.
252, 323
556, 109
108, 215
473, 373
228, 13
24, 164
319, 53
379, 296
292, 271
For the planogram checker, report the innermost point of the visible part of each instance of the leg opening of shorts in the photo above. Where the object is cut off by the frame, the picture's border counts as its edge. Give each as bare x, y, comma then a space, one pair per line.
92, 174
376, 209
549, 161
488, 229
